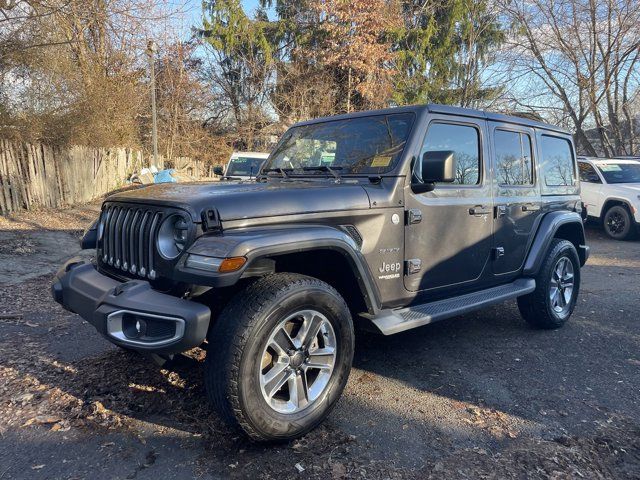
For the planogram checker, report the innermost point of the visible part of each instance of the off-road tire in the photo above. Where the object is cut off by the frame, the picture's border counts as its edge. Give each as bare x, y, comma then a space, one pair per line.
536, 308
237, 338
622, 215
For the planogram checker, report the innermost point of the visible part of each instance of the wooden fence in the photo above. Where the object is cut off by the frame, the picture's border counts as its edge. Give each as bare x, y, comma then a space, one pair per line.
193, 168
39, 175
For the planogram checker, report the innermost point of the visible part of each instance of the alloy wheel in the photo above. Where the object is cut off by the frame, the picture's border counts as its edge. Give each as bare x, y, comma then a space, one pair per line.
562, 283
297, 361
616, 223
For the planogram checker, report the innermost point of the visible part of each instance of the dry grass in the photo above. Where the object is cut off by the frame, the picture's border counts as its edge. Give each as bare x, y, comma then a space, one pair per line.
75, 218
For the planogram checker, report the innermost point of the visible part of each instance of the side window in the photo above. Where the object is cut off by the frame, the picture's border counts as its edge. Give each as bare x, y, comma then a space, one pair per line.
557, 160
587, 173
464, 142
513, 158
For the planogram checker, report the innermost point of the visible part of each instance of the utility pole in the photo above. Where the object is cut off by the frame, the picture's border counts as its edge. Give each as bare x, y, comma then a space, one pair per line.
152, 48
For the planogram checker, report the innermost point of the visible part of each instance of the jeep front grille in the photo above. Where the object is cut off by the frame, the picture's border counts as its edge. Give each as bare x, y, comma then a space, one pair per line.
126, 238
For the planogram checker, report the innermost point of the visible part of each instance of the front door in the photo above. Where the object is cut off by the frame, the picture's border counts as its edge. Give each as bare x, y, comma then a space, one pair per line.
448, 232
590, 188
516, 195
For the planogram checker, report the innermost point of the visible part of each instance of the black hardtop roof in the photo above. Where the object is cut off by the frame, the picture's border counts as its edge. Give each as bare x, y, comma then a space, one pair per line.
444, 109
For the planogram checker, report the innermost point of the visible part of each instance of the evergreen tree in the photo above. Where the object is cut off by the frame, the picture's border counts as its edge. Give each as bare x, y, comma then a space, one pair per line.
320, 57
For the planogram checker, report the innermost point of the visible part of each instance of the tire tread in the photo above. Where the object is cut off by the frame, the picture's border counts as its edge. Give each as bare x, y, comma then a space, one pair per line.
534, 306
231, 333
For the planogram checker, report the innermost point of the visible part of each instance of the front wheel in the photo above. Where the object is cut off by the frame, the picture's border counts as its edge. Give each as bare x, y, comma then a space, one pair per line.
279, 356
618, 223
557, 285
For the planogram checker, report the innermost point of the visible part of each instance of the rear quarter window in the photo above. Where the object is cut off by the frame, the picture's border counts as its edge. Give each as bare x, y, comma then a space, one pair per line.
558, 165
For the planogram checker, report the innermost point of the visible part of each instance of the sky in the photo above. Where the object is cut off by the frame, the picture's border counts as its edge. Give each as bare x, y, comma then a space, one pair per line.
190, 13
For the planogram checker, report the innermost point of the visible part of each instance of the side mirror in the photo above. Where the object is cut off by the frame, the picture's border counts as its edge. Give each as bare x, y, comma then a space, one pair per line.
437, 167
217, 170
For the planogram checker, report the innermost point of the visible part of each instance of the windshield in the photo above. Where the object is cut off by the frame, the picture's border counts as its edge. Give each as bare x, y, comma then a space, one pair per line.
244, 166
620, 172
365, 145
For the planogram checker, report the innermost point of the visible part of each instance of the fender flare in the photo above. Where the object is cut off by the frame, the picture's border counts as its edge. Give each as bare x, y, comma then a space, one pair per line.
624, 201
545, 234
260, 242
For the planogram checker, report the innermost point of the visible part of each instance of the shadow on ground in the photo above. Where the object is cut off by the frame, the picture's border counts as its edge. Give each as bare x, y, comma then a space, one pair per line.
479, 395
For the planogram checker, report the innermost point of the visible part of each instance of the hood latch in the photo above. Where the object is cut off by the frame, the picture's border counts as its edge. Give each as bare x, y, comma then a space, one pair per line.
211, 221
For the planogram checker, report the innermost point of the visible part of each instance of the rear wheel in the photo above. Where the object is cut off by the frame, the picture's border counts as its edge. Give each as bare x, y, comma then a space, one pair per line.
279, 356
557, 285
618, 223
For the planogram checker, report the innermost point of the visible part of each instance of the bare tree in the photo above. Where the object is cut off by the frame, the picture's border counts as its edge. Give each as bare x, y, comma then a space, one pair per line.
189, 122
71, 70
586, 55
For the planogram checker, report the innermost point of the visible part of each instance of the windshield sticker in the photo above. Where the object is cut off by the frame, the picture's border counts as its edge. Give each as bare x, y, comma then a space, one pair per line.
609, 167
381, 161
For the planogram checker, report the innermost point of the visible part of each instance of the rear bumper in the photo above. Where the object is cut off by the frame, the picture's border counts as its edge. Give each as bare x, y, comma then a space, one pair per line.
131, 314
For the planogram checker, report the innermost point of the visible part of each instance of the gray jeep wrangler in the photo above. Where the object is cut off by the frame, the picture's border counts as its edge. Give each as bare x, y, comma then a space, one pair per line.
392, 219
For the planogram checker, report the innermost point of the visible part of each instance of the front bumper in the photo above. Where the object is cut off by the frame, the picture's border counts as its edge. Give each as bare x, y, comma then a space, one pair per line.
131, 314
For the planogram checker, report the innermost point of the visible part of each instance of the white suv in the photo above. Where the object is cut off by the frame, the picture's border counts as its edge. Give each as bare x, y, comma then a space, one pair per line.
611, 192
245, 165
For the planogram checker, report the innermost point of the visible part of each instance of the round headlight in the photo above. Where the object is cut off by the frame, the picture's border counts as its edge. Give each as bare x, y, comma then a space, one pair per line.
173, 236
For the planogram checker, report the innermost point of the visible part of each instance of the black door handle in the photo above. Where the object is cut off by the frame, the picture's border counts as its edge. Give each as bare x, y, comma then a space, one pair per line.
479, 210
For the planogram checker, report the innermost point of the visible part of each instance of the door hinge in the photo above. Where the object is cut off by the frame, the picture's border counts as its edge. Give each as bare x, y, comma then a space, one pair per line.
414, 216
498, 252
413, 265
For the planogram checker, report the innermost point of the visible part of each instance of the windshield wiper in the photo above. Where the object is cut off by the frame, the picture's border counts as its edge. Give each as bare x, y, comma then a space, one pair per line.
324, 168
282, 171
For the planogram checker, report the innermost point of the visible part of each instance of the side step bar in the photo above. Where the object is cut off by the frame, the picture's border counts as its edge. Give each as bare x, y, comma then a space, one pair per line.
394, 321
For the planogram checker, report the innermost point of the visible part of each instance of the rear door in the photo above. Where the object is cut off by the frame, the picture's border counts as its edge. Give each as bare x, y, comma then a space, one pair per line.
516, 195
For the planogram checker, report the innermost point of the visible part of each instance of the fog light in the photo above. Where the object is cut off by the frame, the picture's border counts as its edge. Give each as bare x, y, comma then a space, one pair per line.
140, 328
133, 326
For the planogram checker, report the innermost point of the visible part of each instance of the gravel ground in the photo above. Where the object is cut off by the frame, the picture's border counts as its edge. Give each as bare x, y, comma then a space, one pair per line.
478, 396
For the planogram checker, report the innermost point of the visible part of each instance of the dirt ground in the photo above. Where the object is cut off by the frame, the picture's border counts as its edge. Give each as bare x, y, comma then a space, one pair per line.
478, 396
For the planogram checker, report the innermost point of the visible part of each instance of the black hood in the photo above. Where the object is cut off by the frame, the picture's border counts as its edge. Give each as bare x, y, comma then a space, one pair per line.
239, 200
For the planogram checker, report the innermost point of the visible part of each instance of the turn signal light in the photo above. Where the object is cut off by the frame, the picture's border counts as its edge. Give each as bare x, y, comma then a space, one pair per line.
231, 264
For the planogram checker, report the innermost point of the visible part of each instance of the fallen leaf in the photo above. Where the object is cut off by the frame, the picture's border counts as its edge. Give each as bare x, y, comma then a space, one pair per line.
62, 426
24, 398
42, 420
99, 407
338, 470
